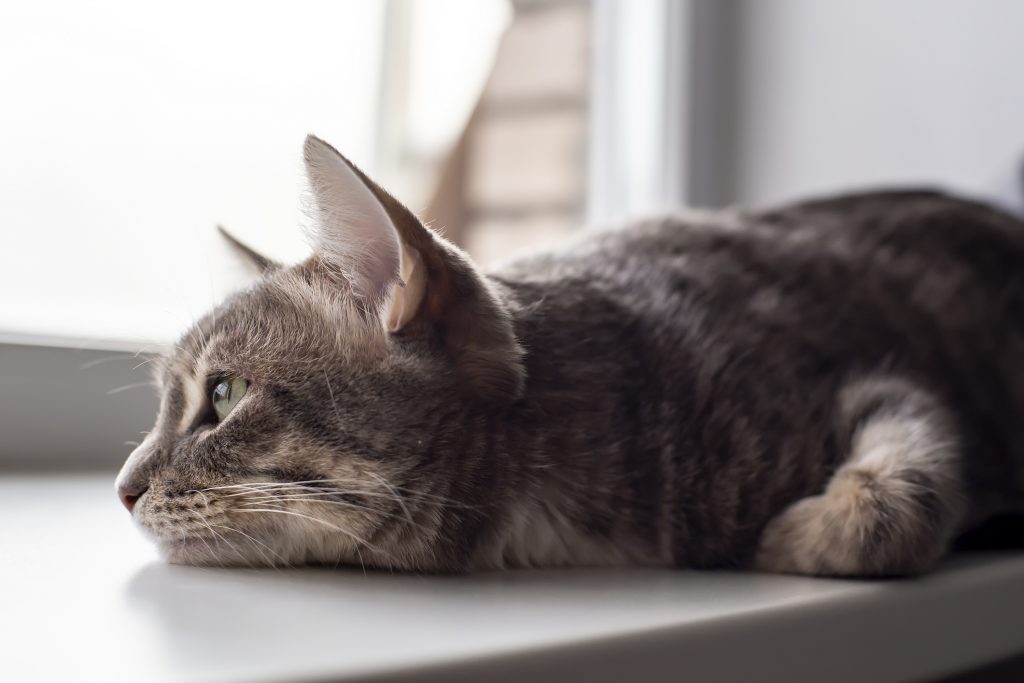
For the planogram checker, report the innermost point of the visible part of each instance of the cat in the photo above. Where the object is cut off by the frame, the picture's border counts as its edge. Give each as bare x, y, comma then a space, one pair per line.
834, 387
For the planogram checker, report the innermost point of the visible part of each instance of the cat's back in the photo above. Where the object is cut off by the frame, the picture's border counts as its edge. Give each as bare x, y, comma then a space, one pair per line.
852, 281
937, 252
862, 226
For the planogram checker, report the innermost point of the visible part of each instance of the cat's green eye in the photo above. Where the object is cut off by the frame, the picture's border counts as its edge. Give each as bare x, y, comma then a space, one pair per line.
226, 394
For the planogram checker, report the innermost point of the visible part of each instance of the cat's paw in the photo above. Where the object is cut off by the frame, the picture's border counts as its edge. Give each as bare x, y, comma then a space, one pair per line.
790, 544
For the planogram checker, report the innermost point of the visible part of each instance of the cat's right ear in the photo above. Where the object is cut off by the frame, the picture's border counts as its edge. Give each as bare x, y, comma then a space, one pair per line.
364, 241
411, 277
253, 258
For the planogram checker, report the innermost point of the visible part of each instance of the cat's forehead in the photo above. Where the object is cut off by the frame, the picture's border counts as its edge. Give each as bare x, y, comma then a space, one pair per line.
289, 317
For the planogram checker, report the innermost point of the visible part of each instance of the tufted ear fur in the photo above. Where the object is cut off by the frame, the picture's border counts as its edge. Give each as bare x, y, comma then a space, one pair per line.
414, 280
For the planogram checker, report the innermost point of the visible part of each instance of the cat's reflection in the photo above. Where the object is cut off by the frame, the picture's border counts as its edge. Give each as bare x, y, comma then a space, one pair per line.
174, 588
195, 605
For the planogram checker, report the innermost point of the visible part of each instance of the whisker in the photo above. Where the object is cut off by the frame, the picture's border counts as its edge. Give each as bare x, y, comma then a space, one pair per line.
257, 544
145, 362
353, 506
331, 392
126, 387
335, 527
220, 537
263, 485
362, 565
319, 493
397, 496
99, 361
313, 491
213, 553
451, 502
206, 501
306, 497
272, 483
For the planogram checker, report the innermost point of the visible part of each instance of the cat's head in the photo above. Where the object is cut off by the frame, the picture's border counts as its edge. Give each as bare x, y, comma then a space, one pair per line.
301, 420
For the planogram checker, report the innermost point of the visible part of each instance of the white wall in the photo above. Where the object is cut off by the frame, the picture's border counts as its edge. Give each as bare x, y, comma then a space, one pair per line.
824, 94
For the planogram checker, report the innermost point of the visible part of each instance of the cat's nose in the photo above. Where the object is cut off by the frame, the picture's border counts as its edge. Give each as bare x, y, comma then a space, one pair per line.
130, 495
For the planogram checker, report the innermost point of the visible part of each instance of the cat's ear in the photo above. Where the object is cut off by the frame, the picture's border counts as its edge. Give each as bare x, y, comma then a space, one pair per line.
356, 234
412, 277
253, 258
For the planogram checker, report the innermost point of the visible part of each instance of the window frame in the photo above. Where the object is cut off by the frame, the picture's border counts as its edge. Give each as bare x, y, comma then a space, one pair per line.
677, 44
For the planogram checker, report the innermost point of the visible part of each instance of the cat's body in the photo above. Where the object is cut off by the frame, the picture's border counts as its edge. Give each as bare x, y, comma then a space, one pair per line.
692, 368
834, 387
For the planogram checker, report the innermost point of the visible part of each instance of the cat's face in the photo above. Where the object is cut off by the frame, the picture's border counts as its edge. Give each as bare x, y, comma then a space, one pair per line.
298, 420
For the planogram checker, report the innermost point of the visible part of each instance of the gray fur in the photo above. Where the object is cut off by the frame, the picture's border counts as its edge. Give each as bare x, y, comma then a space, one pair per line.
653, 395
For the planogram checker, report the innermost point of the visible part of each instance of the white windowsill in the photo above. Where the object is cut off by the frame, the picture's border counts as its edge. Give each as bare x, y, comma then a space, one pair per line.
85, 598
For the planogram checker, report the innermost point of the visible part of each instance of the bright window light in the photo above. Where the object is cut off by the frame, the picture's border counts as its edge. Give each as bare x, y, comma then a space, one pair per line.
129, 130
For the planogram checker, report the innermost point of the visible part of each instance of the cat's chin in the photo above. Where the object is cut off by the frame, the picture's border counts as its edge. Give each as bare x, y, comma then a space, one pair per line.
197, 551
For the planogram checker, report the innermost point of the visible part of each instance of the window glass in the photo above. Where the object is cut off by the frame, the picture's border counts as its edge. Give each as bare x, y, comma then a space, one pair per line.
129, 130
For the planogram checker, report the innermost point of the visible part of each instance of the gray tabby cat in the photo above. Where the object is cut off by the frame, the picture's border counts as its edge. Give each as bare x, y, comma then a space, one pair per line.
834, 387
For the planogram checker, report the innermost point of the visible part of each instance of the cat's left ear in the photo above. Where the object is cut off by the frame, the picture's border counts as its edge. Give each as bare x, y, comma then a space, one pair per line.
257, 261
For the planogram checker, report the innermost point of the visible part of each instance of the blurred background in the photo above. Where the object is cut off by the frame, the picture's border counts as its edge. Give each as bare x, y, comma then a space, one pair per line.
129, 130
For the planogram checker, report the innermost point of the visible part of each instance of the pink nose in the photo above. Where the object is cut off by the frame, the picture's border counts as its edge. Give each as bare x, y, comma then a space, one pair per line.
130, 496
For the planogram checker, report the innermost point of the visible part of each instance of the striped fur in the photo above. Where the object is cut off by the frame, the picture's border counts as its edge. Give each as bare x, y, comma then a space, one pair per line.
832, 387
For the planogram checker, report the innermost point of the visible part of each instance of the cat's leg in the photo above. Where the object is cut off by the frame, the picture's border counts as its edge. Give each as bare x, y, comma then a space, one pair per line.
896, 503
